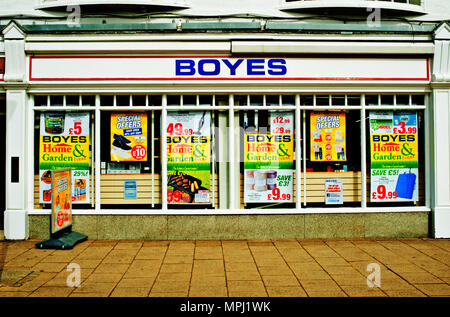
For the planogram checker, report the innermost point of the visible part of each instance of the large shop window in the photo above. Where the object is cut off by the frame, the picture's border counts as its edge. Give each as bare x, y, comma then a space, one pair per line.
229, 152
63, 139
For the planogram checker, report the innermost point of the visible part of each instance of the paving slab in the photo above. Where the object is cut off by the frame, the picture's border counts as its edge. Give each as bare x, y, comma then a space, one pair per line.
229, 268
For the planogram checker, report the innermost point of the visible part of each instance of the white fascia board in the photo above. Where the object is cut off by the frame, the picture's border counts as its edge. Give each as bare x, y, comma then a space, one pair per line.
286, 47
109, 47
159, 88
198, 37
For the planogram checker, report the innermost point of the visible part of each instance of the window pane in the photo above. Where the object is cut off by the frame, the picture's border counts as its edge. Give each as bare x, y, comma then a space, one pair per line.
333, 158
222, 100
56, 101
205, 100
40, 101
418, 100
50, 127
173, 100
337, 100
306, 100
387, 100
130, 159
322, 100
354, 100
256, 100
192, 172
123, 100
87, 101
267, 164
107, 100
240, 100
371, 100
155, 100
272, 100
288, 100
72, 101
402, 100
189, 100
395, 169
139, 100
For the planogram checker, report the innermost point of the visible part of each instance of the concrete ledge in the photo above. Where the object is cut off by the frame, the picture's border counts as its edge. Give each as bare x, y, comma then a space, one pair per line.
211, 227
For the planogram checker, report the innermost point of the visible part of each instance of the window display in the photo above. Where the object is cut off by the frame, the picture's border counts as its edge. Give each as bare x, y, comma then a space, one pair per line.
188, 157
394, 156
333, 171
64, 143
328, 136
232, 152
128, 136
269, 161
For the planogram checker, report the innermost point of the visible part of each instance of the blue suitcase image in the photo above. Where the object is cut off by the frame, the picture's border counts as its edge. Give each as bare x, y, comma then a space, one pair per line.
405, 185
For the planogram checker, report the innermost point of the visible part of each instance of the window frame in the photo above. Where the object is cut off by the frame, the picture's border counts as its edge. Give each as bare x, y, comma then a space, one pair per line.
233, 149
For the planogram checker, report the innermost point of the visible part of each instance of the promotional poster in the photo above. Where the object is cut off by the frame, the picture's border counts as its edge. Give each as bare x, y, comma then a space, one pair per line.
394, 156
61, 202
328, 136
64, 143
188, 157
129, 137
269, 161
334, 192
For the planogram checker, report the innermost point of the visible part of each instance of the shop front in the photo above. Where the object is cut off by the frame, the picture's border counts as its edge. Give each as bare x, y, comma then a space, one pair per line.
228, 146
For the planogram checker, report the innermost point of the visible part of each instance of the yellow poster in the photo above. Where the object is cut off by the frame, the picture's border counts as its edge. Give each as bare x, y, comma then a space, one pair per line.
58, 151
328, 136
61, 202
129, 136
64, 140
269, 150
64, 143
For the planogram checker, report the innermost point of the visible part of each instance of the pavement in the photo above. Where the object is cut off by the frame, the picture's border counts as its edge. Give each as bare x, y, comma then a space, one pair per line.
229, 268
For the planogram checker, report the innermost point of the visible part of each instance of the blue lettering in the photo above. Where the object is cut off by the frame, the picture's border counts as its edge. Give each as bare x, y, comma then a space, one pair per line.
201, 67
252, 67
231, 66
184, 67
212, 67
277, 67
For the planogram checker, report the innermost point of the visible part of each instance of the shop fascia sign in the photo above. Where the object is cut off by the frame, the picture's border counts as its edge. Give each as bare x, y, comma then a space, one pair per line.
225, 68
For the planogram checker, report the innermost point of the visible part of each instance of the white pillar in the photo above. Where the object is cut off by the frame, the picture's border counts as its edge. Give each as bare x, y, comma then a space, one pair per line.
441, 140
16, 215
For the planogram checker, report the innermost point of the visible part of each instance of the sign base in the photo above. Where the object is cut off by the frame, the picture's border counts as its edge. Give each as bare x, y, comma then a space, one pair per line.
64, 242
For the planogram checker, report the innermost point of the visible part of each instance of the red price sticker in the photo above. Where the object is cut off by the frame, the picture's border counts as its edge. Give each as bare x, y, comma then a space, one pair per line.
382, 193
138, 152
276, 195
77, 129
177, 197
177, 129
403, 130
